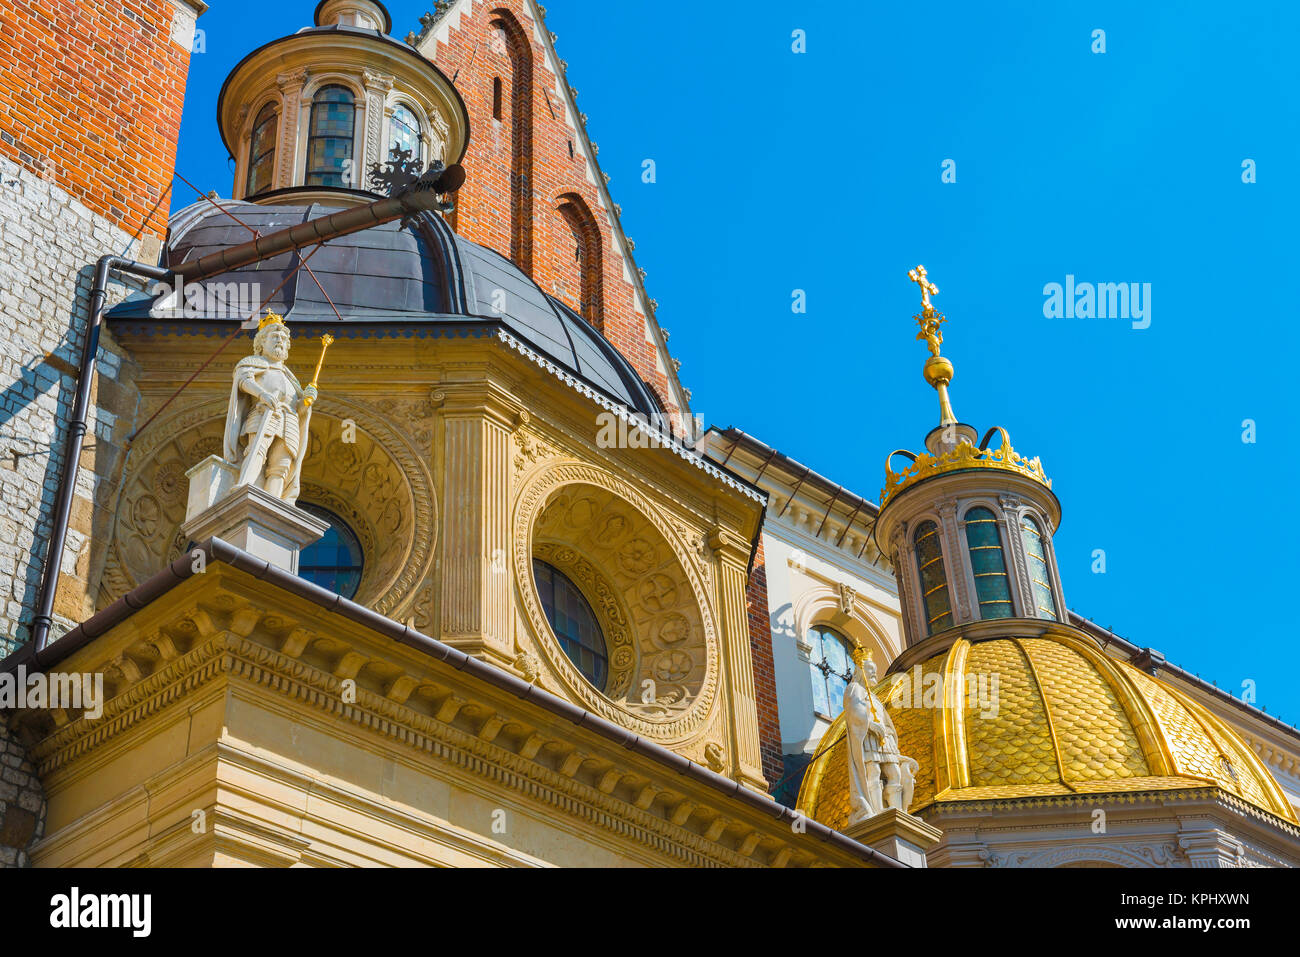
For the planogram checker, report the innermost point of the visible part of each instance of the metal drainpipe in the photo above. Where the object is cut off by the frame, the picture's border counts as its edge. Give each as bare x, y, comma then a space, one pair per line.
76, 438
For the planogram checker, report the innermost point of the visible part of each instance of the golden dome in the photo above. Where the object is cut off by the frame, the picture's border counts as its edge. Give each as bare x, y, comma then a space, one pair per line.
1068, 720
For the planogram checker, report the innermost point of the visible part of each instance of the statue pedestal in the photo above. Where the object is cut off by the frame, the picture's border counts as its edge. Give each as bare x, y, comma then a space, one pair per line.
247, 517
897, 834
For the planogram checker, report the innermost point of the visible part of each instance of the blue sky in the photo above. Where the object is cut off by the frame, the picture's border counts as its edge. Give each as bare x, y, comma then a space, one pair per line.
821, 171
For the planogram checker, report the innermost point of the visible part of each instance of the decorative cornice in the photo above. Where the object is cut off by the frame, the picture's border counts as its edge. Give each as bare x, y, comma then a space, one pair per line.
664, 439
228, 655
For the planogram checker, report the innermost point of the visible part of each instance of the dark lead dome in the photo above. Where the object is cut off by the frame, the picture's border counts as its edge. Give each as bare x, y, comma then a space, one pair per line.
399, 275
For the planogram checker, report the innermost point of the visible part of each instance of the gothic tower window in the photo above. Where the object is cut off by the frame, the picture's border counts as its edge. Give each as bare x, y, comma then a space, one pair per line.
588, 259
329, 139
404, 133
573, 622
334, 562
261, 151
934, 579
984, 541
832, 669
1039, 575
512, 103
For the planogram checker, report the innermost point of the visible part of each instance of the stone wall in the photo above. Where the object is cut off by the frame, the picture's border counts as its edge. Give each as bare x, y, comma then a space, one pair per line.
22, 802
49, 243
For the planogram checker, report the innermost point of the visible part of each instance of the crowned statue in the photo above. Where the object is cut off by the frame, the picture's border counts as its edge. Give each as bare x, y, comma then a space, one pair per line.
266, 421
873, 748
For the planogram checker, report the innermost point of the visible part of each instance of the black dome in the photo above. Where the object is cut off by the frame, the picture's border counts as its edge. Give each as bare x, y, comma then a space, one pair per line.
399, 274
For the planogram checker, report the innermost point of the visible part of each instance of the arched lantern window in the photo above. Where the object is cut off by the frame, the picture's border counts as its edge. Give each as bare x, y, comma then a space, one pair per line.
574, 623
988, 564
334, 561
329, 137
1039, 575
404, 133
934, 578
832, 669
261, 151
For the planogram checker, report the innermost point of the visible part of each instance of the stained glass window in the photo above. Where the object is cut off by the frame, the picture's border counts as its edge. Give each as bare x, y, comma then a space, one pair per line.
333, 562
261, 151
832, 669
573, 622
1039, 575
934, 578
992, 590
329, 139
404, 133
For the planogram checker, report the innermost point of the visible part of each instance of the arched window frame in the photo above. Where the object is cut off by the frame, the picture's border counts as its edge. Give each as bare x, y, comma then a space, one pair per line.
312, 99
1028, 517
976, 578
421, 126
349, 537
831, 672
590, 251
270, 153
600, 679
932, 624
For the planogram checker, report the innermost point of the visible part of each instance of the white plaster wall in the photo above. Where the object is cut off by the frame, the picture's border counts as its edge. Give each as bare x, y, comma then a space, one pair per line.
802, 575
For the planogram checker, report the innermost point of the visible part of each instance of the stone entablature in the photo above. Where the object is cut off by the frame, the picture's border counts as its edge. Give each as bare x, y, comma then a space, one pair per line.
1201, 827
311, 736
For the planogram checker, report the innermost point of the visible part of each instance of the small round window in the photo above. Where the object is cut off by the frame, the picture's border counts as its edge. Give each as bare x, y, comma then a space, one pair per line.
573, 622
333, 562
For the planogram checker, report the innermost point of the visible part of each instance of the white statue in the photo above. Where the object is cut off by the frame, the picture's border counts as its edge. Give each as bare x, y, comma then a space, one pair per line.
268, 414
873, 749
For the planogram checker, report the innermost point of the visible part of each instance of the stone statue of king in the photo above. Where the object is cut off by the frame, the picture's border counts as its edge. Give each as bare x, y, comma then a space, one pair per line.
873, 748
263, 437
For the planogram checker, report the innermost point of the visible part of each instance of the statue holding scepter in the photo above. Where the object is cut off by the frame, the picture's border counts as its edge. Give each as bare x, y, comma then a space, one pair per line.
263, 436
325, 342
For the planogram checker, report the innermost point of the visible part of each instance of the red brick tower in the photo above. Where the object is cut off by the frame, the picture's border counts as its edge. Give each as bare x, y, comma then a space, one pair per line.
535, 192
90, 100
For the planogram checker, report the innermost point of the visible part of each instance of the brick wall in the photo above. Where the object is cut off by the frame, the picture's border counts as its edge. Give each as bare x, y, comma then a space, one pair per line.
90, 107
760, 640
525, 168
90, 98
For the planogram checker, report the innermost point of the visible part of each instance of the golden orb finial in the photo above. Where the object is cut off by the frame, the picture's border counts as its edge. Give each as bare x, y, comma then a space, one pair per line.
938, 371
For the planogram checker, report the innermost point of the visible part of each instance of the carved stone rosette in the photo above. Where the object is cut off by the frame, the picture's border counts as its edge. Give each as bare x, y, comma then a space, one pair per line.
642, 581
376, 483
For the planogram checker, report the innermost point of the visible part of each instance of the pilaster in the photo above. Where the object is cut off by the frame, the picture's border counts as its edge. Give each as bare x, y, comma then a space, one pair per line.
733, 555
476, 580
291, 86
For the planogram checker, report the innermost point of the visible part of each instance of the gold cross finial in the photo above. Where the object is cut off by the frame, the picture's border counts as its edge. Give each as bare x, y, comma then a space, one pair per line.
938, 370
928, 289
